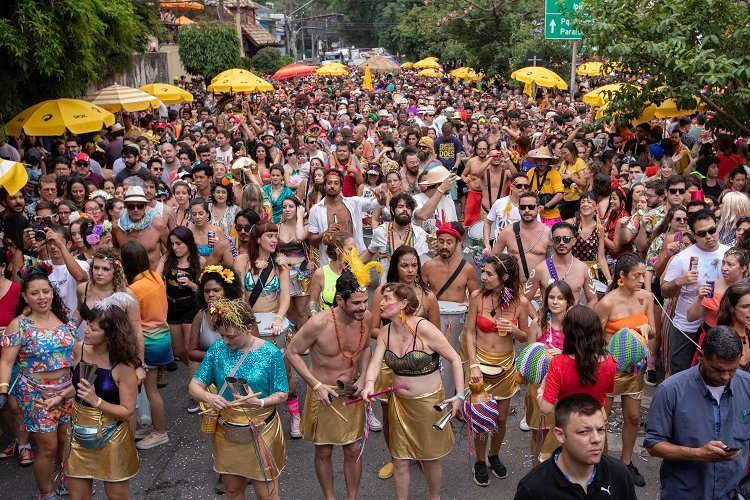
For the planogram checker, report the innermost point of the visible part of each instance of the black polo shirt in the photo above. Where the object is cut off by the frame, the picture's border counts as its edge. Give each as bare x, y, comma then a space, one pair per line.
547, 482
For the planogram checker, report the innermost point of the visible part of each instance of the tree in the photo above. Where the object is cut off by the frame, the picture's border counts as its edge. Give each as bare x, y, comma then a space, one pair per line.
209, 49
267, 61
62, 48
685, 49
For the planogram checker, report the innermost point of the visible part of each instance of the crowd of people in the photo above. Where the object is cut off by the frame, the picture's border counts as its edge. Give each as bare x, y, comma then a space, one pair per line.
399, 245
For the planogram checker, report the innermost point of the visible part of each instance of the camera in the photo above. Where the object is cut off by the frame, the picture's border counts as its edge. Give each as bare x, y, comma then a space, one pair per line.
39, 226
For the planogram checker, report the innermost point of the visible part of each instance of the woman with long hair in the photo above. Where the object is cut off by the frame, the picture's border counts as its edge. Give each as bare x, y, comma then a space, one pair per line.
323, 285
276, 192
394, 185
628, 305
222, 208
151, 294
733, 206
80, 249
101, 445
181, 203
669, 230
40, 342
263, 161
254, 199
206, 235
412, 348
292, 236
498, 315
734, 311
315, 184
589, 246
75, 191
612, 227
242, 354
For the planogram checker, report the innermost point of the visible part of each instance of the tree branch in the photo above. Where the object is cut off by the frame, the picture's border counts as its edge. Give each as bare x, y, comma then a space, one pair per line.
715, 107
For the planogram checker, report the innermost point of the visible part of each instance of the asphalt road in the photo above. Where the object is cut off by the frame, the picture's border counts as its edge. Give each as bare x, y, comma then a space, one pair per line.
183, 467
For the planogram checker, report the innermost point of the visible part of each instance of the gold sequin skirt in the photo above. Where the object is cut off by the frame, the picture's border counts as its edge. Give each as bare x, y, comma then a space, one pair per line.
115, 461
498, 372
410, 434
534, 413
321, 425
241, 459
384, 381
628, 384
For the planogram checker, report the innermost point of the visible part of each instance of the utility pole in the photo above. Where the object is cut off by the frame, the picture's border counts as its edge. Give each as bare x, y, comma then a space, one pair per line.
238, 26
289, 33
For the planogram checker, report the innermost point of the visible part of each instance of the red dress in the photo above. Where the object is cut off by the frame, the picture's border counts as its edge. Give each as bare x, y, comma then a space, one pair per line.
562, 380
8, 304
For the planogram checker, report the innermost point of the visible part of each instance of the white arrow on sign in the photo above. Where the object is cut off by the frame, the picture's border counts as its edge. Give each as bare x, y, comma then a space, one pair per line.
552, 25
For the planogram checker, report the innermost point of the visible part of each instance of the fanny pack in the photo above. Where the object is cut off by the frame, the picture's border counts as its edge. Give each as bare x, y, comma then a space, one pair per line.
242, 433
94, 437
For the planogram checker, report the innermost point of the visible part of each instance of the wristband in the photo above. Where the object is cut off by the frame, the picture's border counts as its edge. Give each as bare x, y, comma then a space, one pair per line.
98, 403
461, 396
475, 365
4, 384
317, 386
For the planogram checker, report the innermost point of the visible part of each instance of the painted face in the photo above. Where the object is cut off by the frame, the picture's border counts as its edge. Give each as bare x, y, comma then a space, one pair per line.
408, 268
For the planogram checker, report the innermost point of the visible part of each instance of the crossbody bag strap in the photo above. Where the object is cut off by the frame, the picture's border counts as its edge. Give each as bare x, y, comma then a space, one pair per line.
521, 254
234, 370
258, 288
452, 278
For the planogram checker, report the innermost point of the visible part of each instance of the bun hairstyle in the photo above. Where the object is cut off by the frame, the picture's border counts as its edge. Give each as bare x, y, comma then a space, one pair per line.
403, 292
335, 244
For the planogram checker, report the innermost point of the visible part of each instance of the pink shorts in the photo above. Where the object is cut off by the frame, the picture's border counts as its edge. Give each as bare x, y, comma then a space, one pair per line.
551, 222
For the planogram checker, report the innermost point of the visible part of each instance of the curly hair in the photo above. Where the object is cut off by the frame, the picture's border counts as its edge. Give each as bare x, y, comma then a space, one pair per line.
185, 235
122, 345
403, 292
584, 340
232, 291
58, 307
225, 313
111, 256
567, 294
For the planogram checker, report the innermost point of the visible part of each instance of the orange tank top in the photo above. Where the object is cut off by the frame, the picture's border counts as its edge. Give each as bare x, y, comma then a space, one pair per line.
632, 322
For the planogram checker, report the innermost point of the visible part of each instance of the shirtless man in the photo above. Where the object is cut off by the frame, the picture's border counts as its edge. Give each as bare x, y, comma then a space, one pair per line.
167, 213
488, 174
141, 224
338, 340
447, 260
495, 133
534, 236
562, 266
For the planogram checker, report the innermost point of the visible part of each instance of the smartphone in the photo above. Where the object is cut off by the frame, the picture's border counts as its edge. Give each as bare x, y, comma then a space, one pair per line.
678, 236
730, 449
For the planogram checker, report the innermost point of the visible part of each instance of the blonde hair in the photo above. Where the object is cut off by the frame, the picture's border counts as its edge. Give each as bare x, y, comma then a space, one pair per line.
230, 314
733, 206
252, 198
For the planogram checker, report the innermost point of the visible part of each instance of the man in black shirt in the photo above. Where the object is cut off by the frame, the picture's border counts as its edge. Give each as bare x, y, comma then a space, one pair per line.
579, 468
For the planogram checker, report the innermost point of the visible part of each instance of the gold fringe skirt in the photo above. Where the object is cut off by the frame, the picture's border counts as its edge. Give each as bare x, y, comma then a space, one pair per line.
498, 372
241, 459
384, 381
115, 461
321, 425
628, 384
534, 413
411, 435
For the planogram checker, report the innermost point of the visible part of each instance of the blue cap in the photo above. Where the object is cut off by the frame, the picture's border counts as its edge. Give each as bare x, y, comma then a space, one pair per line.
656, 151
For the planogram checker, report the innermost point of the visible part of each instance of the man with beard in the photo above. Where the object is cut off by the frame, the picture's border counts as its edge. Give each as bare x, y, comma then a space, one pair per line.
269, 141
448, 273
546, 182
339, 348
336, 213
495, 133
410, 172
505, 210
345, 161
527, 239
427, 160
562, 266
140, 223
171, 162
387, 237
225, 249
486, 176
15, 203
166, 212
131, 164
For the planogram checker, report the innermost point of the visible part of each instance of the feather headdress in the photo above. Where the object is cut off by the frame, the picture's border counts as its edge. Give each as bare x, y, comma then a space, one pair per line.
360, 270
119, 299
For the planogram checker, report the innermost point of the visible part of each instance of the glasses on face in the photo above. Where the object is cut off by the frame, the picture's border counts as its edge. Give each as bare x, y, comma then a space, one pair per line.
521, 186
135, 206
424, 147
562, 239
526, 207
243, 229
680, 219
676, 191
291, 153
705, 232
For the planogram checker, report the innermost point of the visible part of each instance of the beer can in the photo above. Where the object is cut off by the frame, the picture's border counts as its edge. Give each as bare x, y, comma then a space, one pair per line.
211, 236
712, 285
693, 264
180, 274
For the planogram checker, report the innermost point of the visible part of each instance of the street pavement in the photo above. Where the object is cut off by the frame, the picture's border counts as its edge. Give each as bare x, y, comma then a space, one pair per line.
183, 467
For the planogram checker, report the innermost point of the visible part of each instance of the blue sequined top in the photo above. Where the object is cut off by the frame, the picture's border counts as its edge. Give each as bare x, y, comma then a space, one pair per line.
263, 368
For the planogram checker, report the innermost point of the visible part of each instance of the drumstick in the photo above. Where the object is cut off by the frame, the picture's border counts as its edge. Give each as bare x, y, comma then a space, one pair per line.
379, 393
243, 399
338, 413
208, 410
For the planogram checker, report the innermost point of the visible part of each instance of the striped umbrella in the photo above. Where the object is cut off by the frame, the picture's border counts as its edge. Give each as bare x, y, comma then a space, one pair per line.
120, 98
13, 176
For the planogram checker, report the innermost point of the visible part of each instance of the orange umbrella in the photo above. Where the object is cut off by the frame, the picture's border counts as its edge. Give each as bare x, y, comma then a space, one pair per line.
293, 71
182, 5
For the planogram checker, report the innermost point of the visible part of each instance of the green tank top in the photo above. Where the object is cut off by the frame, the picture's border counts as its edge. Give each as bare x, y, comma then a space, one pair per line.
328, 292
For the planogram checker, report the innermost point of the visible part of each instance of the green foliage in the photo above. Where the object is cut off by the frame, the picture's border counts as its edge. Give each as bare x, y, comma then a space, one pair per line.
209, 49
61, 48
266, 61
687, 48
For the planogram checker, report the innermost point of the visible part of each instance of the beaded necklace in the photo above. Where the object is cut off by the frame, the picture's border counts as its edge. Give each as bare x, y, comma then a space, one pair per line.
406, 239
360, 345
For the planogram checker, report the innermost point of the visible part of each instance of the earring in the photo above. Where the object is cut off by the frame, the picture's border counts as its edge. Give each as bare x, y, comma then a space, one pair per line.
620, 282
403, 316
549, 317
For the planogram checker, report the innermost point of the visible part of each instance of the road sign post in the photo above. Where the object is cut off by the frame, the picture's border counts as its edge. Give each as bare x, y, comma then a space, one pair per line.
557, 19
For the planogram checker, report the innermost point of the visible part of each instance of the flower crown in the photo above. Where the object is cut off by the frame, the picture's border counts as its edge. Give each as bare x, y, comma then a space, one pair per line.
226, 274
227, 313
32, 265
98, 232
100, 193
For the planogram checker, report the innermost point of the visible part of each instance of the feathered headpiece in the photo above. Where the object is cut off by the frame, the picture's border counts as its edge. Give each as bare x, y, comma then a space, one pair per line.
117, 299
32, 265
360, 270
228, 313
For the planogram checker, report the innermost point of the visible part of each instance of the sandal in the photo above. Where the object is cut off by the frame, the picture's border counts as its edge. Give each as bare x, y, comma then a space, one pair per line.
9, 450
25, 457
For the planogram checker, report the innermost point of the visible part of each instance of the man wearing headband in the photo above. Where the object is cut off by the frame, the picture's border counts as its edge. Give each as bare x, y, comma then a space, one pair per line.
448, 273
338, 341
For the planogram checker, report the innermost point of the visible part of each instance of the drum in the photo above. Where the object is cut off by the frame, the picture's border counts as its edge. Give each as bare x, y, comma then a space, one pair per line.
476, 233
265, 320
452, 318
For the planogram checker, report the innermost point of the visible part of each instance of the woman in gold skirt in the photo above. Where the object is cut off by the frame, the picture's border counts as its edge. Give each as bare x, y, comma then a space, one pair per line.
412, 348
101, 444
248, 443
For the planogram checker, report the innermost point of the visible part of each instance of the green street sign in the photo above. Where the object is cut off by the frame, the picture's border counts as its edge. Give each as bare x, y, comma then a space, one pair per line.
557, 23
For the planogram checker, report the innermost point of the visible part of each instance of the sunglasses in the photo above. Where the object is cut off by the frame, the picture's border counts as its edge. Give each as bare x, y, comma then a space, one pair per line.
561, 239
424, 147
135, 206
82, 163
243, 229
680, 219
526, 207
521, 186
676, 191
705, 232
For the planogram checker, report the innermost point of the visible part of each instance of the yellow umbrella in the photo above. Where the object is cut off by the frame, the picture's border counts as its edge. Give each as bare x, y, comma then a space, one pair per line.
121, 98
464, 73
169, 94
53, 117
646, 115
669, 109
332, 70
591, 68
13, 176
184, 21
239, 80
540, 76
407, 65
431, 58
601, 95
429, 63
367, 82
233, 72
430, 73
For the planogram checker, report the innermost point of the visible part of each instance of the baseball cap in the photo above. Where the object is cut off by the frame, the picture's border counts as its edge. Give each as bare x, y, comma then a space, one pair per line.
82, 157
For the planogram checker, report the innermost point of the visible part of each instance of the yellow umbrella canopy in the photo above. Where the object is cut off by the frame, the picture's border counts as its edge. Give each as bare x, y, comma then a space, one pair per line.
184, 21
407, 65
464, 73
429, 63
431, 58
670, 109
601, 95
646, 115
239, 80
121, 98
53, 117
168, 94
540, 76
234, 72
367, 81
332, 69
591, 68
430, 73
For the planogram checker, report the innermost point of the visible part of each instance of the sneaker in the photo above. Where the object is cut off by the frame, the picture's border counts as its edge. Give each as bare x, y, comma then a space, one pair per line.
638, 479
386, 471
143, 432
295, 433
375, 424
25, 456
152, 440
219, 486
650, 379
192, 406
9, 450
161, 378
524, 426
498, 468
172, 366
481, 476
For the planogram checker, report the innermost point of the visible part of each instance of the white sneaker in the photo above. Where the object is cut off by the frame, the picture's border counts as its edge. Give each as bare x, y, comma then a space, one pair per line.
152, 440
375, 424
143, 432
295, 432
524, 426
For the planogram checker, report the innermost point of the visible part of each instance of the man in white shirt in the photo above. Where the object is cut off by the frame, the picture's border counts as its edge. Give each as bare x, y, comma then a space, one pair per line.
387, 237
224, 152
336, 213
685, 274
505, 210
434, 204
67, 271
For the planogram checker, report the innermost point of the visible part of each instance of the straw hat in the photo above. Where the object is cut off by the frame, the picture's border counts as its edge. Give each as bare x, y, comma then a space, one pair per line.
542, 153
435, 176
